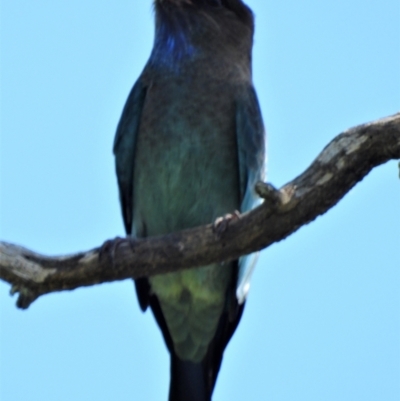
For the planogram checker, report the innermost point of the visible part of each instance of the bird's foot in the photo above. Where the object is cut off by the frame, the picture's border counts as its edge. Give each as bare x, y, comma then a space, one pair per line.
110, 247
221, 223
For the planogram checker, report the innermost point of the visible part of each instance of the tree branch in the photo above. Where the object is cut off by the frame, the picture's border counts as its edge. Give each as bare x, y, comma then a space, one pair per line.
345, 161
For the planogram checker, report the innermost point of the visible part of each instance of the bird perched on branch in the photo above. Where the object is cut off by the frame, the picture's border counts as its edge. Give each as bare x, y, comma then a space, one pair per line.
189, 148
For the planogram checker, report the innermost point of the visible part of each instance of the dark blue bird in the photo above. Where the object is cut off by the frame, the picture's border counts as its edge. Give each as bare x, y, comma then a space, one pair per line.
189, 148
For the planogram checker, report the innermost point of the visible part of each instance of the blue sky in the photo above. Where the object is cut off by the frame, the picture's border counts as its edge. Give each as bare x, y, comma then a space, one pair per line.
322, 321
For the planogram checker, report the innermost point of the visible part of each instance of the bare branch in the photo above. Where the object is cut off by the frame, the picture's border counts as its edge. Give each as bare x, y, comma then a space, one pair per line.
343, 163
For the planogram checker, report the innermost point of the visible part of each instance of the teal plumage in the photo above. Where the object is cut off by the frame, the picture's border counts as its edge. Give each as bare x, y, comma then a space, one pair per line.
189, 148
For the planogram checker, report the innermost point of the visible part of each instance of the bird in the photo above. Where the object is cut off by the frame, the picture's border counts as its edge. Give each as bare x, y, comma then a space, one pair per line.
189, 148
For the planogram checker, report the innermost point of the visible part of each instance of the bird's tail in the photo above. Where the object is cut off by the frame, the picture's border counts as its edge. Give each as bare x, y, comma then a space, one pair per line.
188, 382
191, 381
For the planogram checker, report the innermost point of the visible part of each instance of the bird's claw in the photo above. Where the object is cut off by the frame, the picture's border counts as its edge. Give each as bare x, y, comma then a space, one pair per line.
110, 247
221, 223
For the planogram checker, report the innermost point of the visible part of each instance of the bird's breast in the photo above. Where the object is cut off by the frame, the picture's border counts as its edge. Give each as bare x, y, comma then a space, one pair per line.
185, 171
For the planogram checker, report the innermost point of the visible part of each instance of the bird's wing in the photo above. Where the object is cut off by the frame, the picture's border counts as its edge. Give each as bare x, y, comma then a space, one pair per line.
251, 152
124, 150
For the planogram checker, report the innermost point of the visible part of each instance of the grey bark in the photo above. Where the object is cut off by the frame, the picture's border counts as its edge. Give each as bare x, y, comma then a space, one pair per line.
345, 161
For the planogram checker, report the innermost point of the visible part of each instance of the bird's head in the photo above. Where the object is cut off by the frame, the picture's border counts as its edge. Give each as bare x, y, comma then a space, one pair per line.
236, 6
208, 27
